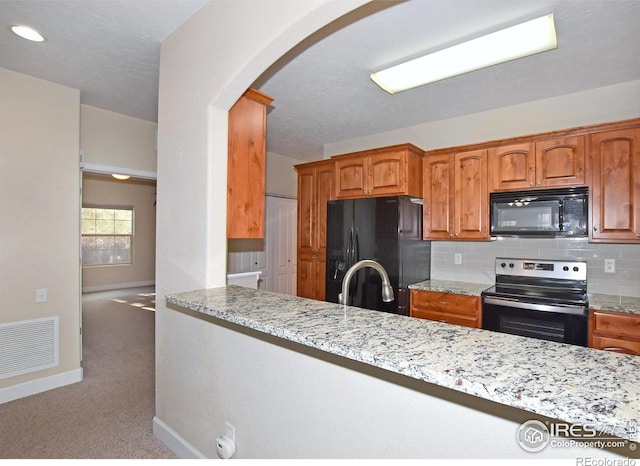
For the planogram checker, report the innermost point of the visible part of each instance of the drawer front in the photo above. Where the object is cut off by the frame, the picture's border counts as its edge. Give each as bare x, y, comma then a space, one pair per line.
448, 318
446, 303
616, 345
616, 324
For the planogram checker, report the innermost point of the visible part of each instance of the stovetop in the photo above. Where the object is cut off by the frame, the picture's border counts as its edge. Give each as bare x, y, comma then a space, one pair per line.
540, 280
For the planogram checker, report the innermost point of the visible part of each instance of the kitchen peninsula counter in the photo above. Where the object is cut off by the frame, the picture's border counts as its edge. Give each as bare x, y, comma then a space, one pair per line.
564, 382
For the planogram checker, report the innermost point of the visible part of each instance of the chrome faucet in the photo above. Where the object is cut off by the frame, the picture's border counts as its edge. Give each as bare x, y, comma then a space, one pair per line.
387, 290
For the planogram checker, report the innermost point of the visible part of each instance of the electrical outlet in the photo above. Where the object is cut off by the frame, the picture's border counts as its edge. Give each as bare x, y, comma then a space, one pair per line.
610, 266
457, 258
41, 295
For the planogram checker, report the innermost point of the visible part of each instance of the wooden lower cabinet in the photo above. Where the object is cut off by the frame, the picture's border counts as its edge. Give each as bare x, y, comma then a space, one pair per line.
447, 307
614, 331
311, 275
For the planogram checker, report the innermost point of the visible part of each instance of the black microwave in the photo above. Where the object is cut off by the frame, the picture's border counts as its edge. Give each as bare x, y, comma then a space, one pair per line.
562, 212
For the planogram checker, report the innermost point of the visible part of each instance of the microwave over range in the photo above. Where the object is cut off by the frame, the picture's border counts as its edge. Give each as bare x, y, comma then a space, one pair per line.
562, 212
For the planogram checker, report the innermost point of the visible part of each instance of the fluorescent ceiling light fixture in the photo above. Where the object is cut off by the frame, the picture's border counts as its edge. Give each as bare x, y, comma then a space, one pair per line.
521, 40
120, 177
27, 33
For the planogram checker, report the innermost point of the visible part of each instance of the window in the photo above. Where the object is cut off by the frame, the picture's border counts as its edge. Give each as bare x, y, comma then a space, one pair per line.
107, 235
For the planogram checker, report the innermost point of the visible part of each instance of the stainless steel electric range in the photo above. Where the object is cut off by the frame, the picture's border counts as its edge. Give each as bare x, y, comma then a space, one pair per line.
538, 298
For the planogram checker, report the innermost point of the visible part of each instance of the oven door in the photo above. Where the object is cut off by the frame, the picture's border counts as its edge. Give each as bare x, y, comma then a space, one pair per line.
560, 323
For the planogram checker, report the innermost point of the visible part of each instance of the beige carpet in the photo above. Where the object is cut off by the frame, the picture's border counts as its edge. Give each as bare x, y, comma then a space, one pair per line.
109, 414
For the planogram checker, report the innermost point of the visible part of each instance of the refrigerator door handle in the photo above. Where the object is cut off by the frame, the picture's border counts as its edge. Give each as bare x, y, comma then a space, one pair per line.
356, 251
350, 248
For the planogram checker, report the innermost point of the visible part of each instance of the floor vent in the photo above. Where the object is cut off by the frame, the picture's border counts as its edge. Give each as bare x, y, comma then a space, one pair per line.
28, 345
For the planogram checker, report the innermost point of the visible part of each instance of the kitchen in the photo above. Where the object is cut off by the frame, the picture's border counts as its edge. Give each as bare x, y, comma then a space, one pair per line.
178, 271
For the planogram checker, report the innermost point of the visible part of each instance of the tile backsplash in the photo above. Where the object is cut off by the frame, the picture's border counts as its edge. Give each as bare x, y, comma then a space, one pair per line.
478, 260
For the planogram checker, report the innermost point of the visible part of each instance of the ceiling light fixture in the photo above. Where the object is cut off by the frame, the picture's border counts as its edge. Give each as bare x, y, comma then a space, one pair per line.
120, 177
27, 32
521, 40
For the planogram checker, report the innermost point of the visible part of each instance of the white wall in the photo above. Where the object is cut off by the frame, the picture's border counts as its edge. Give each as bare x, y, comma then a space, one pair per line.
112, 139
282, 178
40, 211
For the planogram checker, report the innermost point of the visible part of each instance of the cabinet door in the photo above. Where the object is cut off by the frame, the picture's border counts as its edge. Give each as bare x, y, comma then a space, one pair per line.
351, 177
323, 194
306, 203
615, 186
560, 162
512, 167
386, 174
246, 166
305, 284
437, 193
471, 196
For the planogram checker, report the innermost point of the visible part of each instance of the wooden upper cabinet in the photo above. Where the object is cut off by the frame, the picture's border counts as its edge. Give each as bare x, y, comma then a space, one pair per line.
389, 171
615, 186
437, 209
471, 197
544, 164
512, 167
561, 162
247, 166
456, 196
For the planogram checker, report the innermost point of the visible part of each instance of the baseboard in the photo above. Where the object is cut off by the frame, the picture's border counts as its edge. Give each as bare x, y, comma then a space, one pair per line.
43, 384
117, 286
174, 442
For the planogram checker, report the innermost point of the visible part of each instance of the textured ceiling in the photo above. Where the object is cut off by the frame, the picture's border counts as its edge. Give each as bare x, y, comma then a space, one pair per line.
110, 50
324, 94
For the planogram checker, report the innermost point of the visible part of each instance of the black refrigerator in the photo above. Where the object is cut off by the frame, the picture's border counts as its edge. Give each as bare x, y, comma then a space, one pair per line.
387, 230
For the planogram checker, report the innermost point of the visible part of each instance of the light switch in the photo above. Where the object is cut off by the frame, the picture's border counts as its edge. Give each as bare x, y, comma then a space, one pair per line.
41, 295
457, 258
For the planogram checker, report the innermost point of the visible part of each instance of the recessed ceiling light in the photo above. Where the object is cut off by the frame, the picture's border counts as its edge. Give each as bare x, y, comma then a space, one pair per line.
120, 177
521, 40
27, 33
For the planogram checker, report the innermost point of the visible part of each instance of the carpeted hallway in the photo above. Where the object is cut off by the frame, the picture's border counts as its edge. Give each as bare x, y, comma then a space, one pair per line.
109, 414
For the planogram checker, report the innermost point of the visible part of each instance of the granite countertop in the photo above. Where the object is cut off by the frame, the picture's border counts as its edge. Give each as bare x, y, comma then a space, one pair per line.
605, 302
449, 286
570, 383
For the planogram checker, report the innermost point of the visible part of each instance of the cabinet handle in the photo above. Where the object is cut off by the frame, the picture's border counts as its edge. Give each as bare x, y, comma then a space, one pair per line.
637, 235
595, 228
444, 303
531, 184
539, 183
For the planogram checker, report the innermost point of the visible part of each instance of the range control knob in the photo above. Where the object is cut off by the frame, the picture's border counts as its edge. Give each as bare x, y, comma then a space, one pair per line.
503, 265
511, 265
565, 268
575, 268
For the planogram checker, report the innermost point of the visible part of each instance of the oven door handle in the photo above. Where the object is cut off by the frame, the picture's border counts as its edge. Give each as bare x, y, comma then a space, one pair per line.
578, 310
